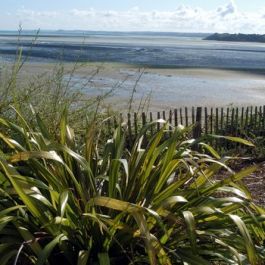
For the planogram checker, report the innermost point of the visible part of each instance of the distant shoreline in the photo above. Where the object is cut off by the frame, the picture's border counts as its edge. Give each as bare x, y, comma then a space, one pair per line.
88, 33
236, 37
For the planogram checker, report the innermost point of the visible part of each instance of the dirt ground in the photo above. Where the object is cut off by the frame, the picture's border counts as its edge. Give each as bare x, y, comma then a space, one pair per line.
256, 184
255, 181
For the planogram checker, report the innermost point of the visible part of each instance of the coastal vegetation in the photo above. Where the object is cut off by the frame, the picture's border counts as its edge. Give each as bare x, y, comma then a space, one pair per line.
88, 202
75, 191
236, 37
49, 92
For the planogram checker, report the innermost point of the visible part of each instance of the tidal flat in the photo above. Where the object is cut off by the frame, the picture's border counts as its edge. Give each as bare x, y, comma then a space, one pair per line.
158, 88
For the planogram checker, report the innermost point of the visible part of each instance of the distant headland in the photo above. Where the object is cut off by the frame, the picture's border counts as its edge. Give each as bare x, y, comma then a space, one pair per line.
236, 37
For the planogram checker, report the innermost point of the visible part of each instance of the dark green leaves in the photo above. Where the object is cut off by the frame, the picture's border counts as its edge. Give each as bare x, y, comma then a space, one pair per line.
158, 203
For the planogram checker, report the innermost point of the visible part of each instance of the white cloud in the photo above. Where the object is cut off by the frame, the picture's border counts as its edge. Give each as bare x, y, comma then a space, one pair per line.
226, 18
83, 13
229, 9
30, 13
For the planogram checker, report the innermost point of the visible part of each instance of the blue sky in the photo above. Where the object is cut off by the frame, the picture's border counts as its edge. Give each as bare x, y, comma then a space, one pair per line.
167, 15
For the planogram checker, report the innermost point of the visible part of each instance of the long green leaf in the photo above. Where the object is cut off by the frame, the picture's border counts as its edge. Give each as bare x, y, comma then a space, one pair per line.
63, 202
10, 173
45, 253
246, 237
191, 231
83, 257
103, 259
233, 139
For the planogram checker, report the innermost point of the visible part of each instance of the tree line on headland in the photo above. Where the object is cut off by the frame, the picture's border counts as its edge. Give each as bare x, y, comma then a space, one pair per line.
236, 37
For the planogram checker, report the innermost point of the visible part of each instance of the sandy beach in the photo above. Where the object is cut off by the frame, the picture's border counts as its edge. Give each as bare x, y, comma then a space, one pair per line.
160, 89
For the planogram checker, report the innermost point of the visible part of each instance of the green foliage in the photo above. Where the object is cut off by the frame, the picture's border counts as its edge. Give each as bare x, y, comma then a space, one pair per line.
49, 92
258, 152
62, 202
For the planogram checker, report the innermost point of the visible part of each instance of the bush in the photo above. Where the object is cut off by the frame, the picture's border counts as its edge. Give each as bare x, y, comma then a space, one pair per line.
68, 203
49, 92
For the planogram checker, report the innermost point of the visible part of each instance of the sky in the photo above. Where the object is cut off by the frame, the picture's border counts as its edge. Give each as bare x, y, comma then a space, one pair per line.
231, 16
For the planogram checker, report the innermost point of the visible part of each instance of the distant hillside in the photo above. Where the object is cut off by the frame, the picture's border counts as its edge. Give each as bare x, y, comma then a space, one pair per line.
236, 37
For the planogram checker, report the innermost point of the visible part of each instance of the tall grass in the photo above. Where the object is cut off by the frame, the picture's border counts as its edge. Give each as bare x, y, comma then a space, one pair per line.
90, 203
49, 91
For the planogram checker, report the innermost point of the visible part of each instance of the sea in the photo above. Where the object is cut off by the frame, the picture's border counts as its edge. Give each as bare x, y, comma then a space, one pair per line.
154, 50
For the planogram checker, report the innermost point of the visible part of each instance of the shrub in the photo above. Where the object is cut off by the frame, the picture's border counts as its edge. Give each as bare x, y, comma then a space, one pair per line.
49, 91
68, 203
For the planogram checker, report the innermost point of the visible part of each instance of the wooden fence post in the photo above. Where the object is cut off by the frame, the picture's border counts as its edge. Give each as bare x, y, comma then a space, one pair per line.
151, 120
222, 120
186, 117
206, 120
193, 115
143, 124
181, 118
263, 121
135, 124
197, 131
260, 121
211, 121
170, 122
129, 128
176, 117
158, 124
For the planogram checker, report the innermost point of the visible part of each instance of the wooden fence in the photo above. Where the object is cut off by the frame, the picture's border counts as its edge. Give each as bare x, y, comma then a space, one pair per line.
231, 121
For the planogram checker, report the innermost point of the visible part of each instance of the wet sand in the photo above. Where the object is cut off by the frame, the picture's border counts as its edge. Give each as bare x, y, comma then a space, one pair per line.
161, 89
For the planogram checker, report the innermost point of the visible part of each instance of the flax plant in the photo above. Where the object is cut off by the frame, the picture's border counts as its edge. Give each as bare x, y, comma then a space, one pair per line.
62, 202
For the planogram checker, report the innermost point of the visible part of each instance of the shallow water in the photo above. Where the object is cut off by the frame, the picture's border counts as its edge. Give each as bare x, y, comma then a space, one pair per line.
178, 89
154, 51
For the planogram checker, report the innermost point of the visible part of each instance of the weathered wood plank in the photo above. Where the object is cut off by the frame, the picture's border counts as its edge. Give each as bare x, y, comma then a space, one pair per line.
193, 115
211, 121
222, 119
186, 117
158, 117
216, 121
181, 117
206, 120
198, 126
135, 123
129, 124
151, 120
176, 117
